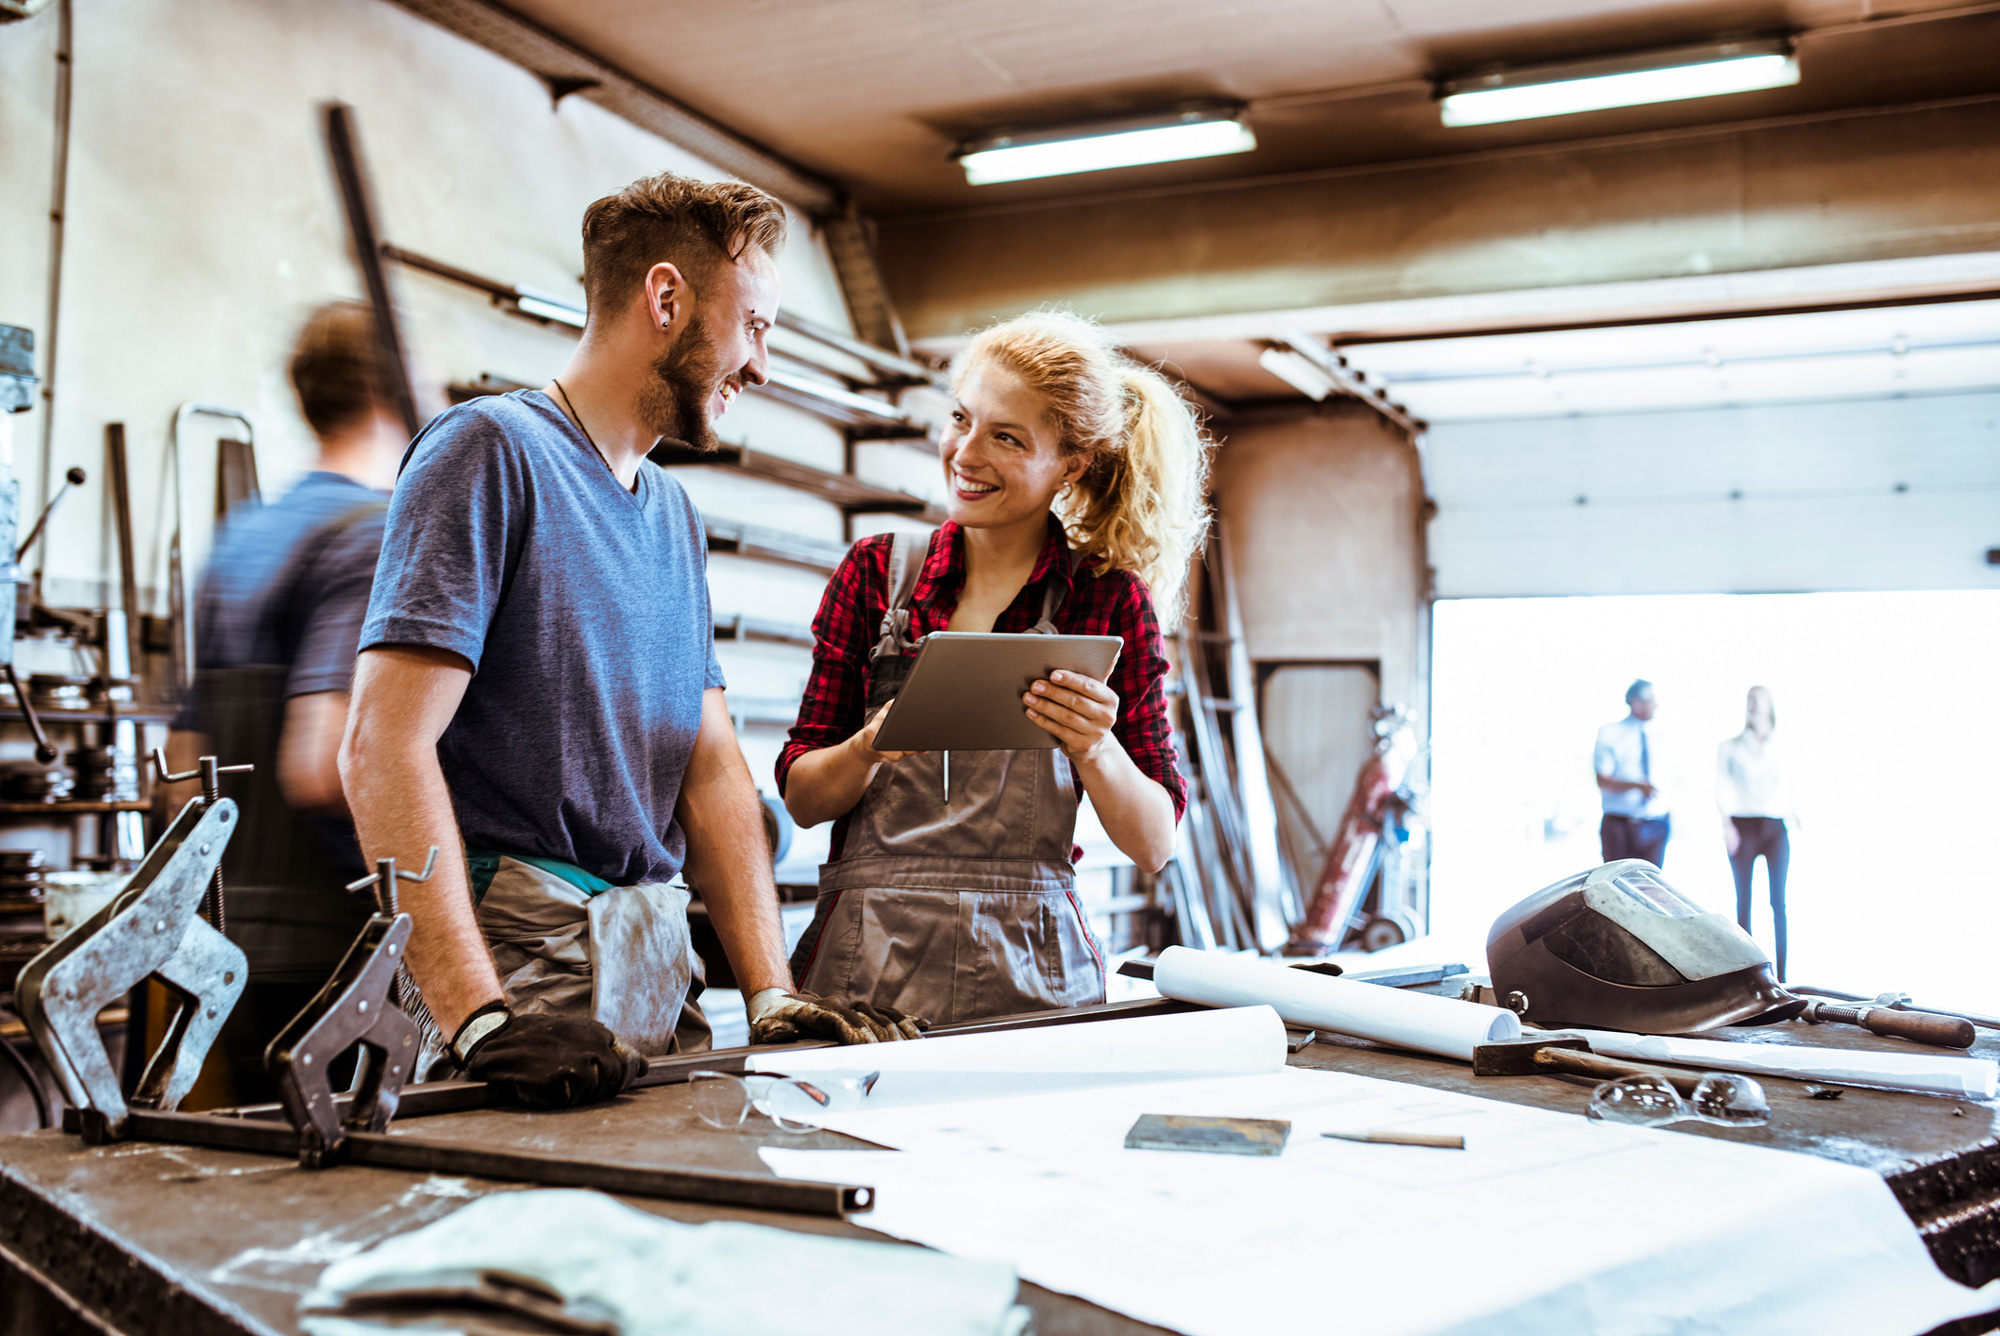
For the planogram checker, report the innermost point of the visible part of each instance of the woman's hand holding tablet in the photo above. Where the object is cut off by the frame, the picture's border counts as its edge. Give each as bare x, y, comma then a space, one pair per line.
864, 741
1075, 710
968, 691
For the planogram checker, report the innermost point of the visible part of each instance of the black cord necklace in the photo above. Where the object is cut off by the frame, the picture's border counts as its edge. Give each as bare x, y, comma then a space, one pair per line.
577, 418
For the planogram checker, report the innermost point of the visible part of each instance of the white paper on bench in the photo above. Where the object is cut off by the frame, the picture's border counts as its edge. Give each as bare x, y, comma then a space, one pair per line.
1937, 1073
1422, 1021
1051, 1057
1545, 1224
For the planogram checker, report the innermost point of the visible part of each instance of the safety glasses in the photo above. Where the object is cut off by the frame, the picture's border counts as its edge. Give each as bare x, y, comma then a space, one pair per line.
795, 1104
1651, 1101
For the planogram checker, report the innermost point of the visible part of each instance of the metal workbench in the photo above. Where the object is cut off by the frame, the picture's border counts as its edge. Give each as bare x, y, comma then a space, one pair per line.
142, 1238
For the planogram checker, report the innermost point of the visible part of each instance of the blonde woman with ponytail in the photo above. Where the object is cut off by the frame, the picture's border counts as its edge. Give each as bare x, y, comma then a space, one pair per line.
1077, 494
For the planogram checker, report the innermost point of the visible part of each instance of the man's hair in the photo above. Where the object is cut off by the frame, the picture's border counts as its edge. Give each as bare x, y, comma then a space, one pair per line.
1632, 692
337, 367
688, 223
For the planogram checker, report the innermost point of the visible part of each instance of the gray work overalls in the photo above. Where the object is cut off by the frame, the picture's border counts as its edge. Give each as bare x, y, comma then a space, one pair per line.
953, 903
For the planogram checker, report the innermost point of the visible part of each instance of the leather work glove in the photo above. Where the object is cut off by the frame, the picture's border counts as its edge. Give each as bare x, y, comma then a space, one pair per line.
545, 1061
779, 1017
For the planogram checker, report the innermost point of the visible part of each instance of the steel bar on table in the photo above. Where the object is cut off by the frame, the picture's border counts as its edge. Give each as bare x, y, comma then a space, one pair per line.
380, 1150
431, 1097
1407, 976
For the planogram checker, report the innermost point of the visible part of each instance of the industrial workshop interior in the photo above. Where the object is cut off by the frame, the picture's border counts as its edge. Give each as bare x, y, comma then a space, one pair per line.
926, 668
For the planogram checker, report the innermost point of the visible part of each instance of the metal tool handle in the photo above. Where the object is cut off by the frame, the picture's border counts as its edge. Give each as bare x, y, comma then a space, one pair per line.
209, 773
74, 478
387, 874
1925, 1027
45, 751
1578, 1063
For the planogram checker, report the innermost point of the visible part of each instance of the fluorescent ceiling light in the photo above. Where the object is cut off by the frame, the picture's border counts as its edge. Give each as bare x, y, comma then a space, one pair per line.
1297, 371
548, 308
1205, 133
1618, 81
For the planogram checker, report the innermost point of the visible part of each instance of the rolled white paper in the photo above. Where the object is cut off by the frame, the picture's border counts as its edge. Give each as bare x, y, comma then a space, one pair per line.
1934, 1073
1209, 1043
1422, 1021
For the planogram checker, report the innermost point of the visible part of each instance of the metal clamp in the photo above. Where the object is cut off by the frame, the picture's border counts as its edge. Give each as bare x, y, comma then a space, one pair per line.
353, 1008
209, 773
148, 931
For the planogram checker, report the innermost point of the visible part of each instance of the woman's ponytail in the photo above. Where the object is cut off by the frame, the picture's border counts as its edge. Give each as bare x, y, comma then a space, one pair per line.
1141, 504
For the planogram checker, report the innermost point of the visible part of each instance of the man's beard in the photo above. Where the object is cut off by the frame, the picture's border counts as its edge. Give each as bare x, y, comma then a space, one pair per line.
675, 402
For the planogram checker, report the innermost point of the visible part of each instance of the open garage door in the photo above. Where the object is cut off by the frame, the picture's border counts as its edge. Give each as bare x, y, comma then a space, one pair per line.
1825, 451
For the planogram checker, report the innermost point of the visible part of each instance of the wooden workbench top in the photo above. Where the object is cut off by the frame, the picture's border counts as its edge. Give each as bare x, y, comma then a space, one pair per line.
162, 1238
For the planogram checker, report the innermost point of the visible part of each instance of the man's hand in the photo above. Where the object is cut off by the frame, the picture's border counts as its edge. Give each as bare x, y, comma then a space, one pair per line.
545, 1061
1732, 839
779, 1017
1077, 711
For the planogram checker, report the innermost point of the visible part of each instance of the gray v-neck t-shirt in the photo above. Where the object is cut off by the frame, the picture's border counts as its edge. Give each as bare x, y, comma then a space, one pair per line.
583, 609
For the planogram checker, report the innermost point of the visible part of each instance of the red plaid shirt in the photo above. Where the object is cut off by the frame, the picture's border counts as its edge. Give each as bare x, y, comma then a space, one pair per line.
850, 620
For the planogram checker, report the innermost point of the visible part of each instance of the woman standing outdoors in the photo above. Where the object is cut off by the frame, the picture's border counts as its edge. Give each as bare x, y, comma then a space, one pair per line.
1077, 494
1750, 788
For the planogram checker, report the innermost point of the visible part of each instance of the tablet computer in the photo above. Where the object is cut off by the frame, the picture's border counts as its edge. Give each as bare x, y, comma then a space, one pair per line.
964, 691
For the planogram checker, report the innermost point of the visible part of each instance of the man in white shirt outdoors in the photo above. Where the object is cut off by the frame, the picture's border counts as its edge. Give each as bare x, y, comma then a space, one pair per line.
1627, 759
1756, 803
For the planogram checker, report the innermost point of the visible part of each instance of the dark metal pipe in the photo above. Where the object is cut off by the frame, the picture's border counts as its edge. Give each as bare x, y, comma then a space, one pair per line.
344, 146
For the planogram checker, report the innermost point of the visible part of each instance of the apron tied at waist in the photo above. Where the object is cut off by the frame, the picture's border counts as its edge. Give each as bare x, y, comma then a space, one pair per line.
567, 941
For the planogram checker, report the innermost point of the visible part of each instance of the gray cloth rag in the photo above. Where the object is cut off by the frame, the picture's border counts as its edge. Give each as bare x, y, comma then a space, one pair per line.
587, 1258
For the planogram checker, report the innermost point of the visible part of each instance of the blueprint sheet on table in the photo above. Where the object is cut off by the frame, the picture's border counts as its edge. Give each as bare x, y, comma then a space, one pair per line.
1545, 1223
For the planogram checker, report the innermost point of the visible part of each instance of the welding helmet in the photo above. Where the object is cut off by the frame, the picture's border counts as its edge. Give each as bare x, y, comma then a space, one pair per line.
1616, 948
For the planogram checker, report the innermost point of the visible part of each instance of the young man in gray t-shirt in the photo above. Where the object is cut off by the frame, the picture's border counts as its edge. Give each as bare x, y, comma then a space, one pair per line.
537, 694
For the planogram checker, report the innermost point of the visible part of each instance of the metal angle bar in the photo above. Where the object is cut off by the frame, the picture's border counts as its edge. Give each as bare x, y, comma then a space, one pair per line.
842, 489
121, 517
848, 406
541, 52
888, 364
350, 175
740, 628
1348, 382
747, 540
381, 1150
1272, 887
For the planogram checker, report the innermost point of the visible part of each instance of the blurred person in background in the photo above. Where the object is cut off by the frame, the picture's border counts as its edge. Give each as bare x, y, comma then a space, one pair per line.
277, 622
1756, 802
1627, 759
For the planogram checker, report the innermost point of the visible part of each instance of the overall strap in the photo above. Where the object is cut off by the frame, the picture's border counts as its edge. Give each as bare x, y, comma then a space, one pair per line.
894, 636
1054, 595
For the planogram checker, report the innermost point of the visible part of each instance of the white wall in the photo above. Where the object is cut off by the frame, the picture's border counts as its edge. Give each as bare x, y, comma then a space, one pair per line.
204, 224
1873, 494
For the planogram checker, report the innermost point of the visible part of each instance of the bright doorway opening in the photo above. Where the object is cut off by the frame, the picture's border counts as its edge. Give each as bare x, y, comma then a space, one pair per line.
1889, 712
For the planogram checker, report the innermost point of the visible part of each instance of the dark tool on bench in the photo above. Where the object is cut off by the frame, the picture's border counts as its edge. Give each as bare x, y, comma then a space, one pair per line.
1926, 1027
1616, 948
149, 930
209, 773
1564, 1055
353, 1008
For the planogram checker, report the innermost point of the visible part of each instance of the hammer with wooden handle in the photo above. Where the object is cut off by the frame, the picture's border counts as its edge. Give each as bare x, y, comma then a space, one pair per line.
1562, 1056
